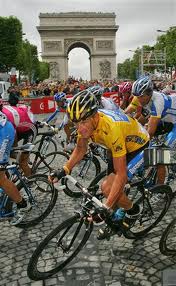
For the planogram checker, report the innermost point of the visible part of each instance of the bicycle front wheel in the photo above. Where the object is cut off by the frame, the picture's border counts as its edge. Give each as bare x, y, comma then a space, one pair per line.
53, 161
59, 248
42, 196
167, 243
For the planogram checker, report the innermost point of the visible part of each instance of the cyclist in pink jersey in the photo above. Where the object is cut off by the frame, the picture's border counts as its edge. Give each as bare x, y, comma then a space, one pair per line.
23, 121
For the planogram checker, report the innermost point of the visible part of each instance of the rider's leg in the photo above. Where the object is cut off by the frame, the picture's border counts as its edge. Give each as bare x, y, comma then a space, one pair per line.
170, 142
28, 137
23, 162
123, 200
7, 136
9, 188
161, 174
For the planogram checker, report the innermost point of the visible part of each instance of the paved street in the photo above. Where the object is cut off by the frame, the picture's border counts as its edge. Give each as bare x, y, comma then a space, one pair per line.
118, 262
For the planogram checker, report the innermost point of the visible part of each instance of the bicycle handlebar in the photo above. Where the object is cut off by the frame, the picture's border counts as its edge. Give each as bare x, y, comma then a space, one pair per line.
85, 191
43, 123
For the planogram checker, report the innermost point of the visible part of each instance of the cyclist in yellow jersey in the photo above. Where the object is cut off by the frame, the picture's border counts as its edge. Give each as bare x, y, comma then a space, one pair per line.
122, 135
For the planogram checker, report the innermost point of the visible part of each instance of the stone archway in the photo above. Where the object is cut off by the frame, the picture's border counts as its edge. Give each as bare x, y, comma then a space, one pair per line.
95, 32
85, 44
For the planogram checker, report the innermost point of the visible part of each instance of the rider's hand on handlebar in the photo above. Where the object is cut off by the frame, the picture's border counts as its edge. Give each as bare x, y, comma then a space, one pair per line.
56, 175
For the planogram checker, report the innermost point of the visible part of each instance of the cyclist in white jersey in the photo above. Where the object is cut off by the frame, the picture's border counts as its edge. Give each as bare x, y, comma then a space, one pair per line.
160, 108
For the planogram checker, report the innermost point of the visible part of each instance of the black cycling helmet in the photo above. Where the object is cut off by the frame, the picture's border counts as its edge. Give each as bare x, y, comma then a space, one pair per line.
82, 106
13, 99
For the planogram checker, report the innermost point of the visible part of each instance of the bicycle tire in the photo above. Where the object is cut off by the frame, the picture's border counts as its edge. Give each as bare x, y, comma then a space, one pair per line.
162, 192
33, 154
71, 190
47, 165
45, 188
165, 245
32, 269
138, 198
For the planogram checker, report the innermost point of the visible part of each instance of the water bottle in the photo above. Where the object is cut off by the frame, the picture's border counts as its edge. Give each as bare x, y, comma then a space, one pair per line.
118, 214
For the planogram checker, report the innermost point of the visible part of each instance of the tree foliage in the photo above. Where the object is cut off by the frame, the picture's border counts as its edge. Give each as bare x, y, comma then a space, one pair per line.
168, 42
43, 71
131, 68
14, 52
11, 42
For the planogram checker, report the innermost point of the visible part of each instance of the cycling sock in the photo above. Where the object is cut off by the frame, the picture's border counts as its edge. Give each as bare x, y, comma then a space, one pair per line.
22, 204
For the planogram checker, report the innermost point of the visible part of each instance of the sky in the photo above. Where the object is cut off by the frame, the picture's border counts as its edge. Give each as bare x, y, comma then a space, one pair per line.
138, 22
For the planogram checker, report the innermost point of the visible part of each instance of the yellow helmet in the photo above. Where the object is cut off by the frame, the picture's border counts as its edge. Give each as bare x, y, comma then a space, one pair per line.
82, 105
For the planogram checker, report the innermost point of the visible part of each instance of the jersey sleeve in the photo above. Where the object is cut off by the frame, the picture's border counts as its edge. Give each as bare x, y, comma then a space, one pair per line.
157, 107
52, 116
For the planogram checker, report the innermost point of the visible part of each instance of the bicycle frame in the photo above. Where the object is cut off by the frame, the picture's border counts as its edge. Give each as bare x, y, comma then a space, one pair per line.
12, 169
89, 198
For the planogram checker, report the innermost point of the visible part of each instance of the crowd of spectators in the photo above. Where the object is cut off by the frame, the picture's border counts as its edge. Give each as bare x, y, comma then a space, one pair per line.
72, 86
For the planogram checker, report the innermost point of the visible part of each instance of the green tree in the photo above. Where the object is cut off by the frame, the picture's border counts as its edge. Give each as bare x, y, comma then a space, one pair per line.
168, 42
44, 71
11, 42
28, 61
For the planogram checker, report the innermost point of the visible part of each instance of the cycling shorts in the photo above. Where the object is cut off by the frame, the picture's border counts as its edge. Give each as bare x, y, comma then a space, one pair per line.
129, 157
7, 136
27, 136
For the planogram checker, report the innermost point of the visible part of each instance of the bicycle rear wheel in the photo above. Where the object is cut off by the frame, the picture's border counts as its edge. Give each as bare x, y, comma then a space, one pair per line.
42, 195
59, 248
154, 206
167, 243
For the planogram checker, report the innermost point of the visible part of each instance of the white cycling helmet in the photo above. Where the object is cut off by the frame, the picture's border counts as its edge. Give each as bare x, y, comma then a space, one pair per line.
142, 85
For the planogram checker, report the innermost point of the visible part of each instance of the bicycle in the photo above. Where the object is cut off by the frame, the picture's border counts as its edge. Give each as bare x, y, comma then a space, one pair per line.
75, 231
167, 244
42, 145
36, 189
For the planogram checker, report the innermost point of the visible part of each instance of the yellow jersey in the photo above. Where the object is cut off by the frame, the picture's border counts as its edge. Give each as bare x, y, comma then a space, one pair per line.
119, 133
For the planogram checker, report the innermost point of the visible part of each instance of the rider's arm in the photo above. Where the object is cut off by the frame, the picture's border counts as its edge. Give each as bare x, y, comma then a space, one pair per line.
132, 107
78, 153
152, 125
52, 116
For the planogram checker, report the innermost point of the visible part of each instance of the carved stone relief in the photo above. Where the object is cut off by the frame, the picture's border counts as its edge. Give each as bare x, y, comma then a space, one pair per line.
104, 45
54, 70
52, 46
69, 42
105, 69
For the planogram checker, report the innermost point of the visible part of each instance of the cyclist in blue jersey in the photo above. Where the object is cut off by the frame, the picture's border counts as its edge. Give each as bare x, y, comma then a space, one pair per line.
62, 102
158, 107
7, 136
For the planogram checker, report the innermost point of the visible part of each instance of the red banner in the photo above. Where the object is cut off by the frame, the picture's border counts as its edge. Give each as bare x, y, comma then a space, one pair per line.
47, 104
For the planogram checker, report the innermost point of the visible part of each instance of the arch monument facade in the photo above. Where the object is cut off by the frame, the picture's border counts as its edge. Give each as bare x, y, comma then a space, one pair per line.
95, 32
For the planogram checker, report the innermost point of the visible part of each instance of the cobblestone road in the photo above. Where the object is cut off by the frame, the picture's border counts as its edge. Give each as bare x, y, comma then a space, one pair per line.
119, 262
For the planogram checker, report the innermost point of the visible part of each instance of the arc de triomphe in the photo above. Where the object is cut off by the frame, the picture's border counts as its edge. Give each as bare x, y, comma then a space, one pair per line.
95, 32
